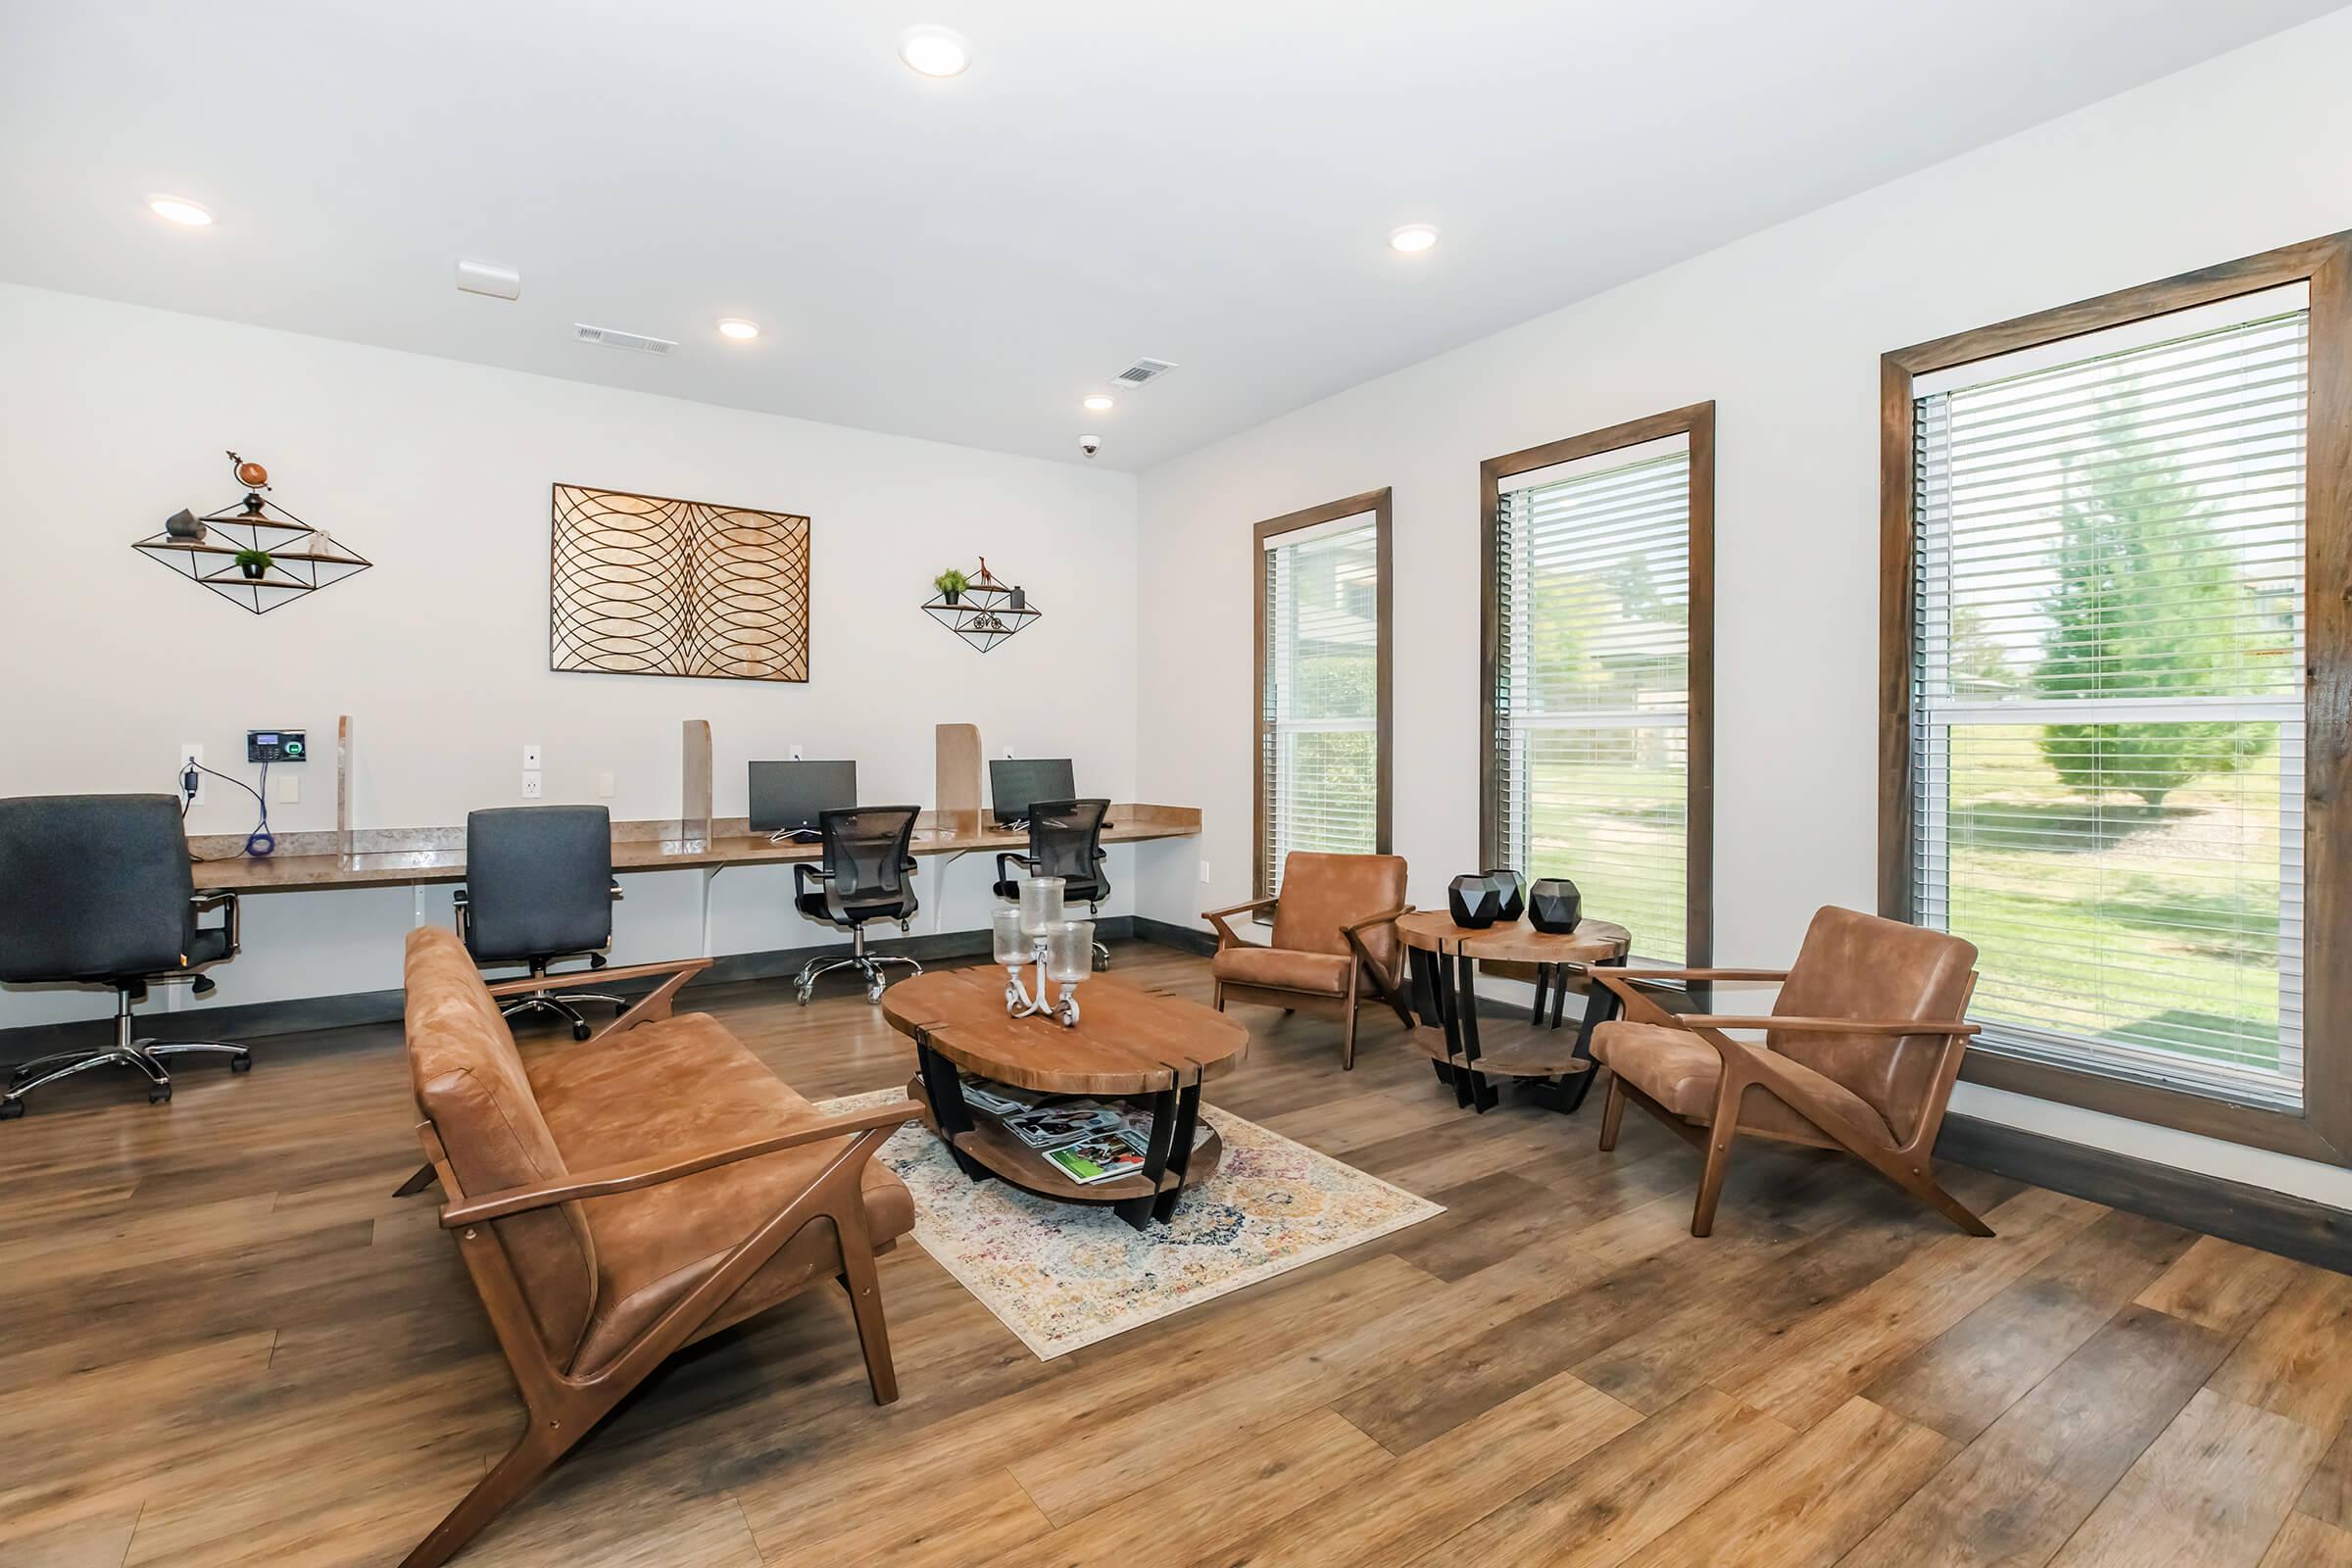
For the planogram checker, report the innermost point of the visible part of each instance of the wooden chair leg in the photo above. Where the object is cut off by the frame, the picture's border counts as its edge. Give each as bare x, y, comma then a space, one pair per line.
534, 1454
1220, 991
1919, 1180
858, 1278
415, 1184
1612, 1113
1347, 1031
1710, 1179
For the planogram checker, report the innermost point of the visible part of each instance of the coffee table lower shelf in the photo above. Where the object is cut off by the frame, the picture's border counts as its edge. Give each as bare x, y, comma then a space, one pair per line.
1001, 1155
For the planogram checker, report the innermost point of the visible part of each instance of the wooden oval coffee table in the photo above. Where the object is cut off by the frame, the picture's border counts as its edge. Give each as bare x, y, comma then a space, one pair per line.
1129, 1044
1445, 994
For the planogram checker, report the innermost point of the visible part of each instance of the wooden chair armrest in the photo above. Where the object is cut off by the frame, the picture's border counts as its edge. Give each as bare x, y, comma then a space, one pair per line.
1378, 919
598, 977
1829, 1026
604, 1183
1758, 975
1218, 917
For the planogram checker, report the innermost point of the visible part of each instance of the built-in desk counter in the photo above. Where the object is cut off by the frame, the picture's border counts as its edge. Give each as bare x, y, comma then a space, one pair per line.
409, 857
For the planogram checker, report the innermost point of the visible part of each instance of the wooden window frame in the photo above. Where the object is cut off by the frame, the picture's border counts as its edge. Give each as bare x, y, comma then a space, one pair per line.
1696, 422
2324, 1129
1377, 502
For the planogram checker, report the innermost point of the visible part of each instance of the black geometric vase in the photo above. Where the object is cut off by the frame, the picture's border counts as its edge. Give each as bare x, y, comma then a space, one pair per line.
1478, 901
1553, 904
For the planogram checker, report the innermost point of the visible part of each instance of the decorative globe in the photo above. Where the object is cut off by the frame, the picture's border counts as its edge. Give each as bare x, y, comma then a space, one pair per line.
1479, 899
1554, 904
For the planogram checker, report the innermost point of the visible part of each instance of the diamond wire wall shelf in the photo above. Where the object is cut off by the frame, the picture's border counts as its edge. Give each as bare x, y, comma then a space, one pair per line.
987, 612
204, 550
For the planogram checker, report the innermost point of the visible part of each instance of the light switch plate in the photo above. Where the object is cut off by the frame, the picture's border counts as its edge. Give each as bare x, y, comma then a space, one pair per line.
1205, 873
286, 789
604, 786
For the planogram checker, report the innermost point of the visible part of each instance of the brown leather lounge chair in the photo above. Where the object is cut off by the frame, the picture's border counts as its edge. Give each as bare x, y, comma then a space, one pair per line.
1859, 1053
1334, 939
617, 1201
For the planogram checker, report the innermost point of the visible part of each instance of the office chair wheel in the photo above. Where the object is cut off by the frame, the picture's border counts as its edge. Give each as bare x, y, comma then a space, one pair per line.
158, 1097
1102, 961
580, 1031
240, 1064
806, 992
873, 992
10, 1109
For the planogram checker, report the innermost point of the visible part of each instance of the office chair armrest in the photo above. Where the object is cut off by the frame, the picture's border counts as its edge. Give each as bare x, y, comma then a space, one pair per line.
604, 1183
532, 984
616, 893
232, 919
802, 871
1218, 917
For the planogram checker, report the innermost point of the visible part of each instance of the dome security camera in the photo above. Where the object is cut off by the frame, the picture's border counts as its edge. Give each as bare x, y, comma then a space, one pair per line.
1090, 444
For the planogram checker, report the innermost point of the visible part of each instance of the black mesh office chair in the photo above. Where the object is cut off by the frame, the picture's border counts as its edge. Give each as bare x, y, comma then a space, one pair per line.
96, 890
867, 875
1065, 840
539, 889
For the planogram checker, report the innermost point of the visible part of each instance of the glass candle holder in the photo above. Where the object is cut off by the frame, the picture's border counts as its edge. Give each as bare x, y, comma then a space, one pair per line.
1011, 946
1040, 903
1070, 952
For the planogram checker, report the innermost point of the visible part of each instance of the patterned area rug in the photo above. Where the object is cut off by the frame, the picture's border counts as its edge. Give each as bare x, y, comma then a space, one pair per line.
1065, 1275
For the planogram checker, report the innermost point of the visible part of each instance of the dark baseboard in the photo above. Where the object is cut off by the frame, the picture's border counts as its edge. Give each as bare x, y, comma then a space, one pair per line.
259, 1020
1183, 938
2255, 1216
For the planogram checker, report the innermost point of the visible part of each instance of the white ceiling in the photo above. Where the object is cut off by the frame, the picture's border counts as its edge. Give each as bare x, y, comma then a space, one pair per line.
1210, 182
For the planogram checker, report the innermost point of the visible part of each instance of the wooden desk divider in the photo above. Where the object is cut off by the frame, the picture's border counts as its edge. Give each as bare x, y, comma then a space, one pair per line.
343, 789
955, 791
694, 795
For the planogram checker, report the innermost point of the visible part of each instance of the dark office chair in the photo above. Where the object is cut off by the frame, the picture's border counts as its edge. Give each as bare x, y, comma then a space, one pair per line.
867, 875
1065, 840
539, 889
96, 890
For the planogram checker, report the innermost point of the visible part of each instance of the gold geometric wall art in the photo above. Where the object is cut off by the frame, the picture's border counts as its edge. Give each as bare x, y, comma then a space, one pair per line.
650, 585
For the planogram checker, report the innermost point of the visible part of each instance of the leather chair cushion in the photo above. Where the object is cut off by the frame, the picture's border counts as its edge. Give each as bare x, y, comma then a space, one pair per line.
1325, 974
668, 1089
1855, 965
1680, 1072
471, 1084
1322, 893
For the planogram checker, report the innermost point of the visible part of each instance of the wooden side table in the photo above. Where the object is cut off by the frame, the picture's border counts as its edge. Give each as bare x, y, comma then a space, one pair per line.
1445, 994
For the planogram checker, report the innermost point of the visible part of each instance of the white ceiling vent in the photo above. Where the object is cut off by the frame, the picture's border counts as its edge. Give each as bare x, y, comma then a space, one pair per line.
631, 341
1142, 370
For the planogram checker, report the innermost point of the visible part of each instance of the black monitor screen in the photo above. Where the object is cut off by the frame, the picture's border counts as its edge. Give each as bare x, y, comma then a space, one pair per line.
786, 797
1013, 783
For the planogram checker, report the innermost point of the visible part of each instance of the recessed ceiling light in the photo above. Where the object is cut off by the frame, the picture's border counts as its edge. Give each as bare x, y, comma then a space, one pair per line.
735, 326
178, 211
1098, 402
1412, 237
934, 51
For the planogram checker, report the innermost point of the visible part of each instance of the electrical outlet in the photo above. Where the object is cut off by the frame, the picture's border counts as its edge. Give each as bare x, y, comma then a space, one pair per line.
530, 785
531, 758
1205, 873
286, 789
191, 752
604, 786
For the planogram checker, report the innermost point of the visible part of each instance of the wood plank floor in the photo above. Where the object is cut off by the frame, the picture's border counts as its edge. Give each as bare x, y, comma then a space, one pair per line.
225, 1342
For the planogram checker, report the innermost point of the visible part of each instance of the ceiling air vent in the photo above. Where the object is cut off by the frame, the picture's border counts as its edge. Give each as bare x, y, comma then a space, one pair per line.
1142, 370
631, 341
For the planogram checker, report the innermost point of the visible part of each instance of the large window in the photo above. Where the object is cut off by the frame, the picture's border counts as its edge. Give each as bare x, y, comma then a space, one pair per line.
2106, 708
1322, 682
1597, 673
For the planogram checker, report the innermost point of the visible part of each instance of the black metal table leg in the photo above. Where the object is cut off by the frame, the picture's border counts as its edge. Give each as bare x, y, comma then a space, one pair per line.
1449, 1013
1542, 979
1180, 1150
1139, 1211
943, 1086
1559, 995
1600, 1005
1471, 1085
1425, 1004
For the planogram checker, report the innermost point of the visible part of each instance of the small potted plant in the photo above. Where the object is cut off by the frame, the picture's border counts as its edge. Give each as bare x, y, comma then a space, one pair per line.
253, 562
951, 584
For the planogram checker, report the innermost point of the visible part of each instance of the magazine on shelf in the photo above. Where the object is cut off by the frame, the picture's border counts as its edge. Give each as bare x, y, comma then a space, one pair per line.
1046, 1125
1139, 1123
998, 1099
1100, 1158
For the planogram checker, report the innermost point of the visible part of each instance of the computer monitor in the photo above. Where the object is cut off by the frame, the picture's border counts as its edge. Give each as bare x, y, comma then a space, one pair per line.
786, 797
1012, 783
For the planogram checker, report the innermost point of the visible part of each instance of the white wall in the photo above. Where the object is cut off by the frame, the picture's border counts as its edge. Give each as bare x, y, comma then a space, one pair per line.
113, 415
1784, 331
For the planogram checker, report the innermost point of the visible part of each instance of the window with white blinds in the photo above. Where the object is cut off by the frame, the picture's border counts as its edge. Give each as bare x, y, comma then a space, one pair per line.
1593, 684
1319, 712
2107, 695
